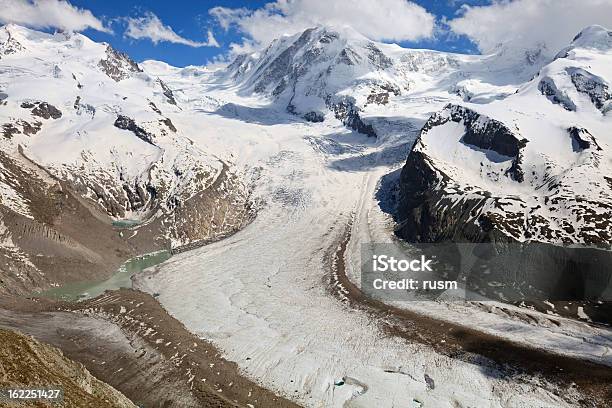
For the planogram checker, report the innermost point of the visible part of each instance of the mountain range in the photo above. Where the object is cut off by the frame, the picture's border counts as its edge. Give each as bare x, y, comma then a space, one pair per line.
510, 146
286, 161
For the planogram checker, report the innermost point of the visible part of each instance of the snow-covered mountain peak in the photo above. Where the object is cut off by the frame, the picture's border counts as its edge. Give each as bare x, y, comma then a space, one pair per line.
34, 40
337, 70
594, 36
63, 48
309, 53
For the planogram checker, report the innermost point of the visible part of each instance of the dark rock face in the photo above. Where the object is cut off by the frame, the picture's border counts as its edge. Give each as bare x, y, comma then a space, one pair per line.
118, 65
348, 57
346, 111
155, 108
582, 139
314, 117
9, 130
549, 89
127, 123
20, 127
426, 213
380, 93
592, 85
380, 98
378, 58
169, 124
43, 110
167, 92
493, 135
137, 196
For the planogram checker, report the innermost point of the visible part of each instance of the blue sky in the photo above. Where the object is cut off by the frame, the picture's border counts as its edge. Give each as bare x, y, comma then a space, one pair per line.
190, 19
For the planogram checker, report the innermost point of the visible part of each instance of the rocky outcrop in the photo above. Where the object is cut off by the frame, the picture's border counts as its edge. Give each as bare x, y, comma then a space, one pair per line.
118, 65
433, 207
549, 89
426, 213
127, 123
582, 139
520, 220
314, 117
20, 127
42, 109
167, 92
484, 132
25, 362
592, 85
220, 210
347, 112
380, 93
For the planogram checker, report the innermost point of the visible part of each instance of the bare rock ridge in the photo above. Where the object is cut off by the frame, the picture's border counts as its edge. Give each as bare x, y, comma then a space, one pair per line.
548, 87
118, 65
126, 123
42, 109
25, 362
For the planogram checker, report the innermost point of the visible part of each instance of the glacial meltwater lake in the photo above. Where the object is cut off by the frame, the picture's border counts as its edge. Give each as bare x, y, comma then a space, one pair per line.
120, 279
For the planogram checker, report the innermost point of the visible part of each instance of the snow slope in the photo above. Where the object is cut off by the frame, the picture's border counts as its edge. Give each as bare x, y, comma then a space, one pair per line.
92, 118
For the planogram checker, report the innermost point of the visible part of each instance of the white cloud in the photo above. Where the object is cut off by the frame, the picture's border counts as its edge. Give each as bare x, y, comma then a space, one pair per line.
394, 20
48, 14
529, 23
151, 27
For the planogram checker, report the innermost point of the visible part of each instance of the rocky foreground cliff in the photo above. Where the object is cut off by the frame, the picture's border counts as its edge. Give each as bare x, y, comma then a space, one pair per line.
25, 363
